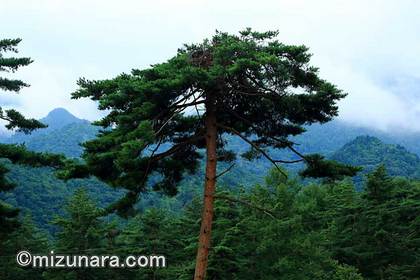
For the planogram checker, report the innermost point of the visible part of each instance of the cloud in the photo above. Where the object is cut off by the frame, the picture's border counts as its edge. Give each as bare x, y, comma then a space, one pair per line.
368, 48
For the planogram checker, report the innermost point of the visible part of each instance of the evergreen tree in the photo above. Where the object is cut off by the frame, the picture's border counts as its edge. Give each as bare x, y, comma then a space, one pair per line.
377, 230
11, 64
273, 232
18, 154
286, 241
26, 237
379, 185
15, 120
153, 232
80, 232
250, 86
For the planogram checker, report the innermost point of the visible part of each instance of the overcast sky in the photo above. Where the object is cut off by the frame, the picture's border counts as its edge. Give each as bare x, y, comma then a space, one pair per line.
370, 49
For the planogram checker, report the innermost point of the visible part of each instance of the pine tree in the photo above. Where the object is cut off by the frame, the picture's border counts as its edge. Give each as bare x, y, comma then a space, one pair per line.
250, 86
11, 64
378, 185
15, 120
26, 237
377, 230
79, 231
153, 232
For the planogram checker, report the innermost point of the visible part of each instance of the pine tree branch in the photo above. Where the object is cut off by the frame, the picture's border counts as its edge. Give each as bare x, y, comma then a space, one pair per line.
258, 84
303, 158
185, 105
176, 105
296, 152
234, 131
179, 108
166, 122
150, 161
176, 147
247, 203
225, 171
18, 154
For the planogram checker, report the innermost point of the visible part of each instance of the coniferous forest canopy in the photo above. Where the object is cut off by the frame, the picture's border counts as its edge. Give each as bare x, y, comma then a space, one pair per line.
226, 158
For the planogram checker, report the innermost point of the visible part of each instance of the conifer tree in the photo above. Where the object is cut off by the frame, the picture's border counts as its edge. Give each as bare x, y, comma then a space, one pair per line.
249, 85
26, 237
11, 64
153, 232
378, 185
79, 231
376, 230
16, 121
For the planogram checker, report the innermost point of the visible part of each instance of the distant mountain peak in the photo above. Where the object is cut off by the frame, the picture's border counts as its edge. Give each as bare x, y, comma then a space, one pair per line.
60, 117
370, 152
366, 139
59, 110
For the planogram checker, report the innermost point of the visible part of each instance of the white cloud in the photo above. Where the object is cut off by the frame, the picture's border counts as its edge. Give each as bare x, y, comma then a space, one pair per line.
368, 48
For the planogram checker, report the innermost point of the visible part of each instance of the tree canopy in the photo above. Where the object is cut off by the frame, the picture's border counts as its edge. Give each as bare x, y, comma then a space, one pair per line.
262, 91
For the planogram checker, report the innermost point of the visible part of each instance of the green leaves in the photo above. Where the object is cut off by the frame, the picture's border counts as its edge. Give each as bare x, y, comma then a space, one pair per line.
374, 231
9, 45
11, 85
18, 154
11, 64
17, 121
318, 167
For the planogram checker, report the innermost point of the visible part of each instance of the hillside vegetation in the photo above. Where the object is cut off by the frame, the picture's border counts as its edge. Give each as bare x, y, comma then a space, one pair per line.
370, 152
40, 193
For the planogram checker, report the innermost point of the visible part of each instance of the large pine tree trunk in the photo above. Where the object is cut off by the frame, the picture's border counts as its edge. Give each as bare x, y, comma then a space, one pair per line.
209, 189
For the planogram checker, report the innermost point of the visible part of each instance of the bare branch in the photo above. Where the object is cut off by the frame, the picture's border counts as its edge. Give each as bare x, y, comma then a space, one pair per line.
247, 203
193, 91
176, 147
166, 122
189, 104
288, 161
150, 161
271, 137
225, 171
258, 94
258, 84
171, 107
234, 131
296, 152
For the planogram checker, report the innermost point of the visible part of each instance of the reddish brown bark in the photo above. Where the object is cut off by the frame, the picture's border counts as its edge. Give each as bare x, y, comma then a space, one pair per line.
209, 189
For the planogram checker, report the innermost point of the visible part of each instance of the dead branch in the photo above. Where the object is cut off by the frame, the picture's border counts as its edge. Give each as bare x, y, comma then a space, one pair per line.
247, 203
225, 171
234, 131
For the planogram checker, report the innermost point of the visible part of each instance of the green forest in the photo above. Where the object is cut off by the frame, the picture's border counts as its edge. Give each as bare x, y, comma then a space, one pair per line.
226, 158
287, 231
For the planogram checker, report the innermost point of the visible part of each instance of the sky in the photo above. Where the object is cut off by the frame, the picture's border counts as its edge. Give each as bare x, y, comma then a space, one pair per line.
369, 49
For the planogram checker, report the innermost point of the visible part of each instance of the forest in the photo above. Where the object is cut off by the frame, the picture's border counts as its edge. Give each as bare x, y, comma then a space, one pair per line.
287, 231
225, 159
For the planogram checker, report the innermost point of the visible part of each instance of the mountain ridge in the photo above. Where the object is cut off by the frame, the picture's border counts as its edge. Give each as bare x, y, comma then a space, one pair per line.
60, 117
64, 134
370, 152
325, 139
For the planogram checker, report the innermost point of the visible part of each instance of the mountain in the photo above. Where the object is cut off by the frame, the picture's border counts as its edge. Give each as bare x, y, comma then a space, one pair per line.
63, 135
329, 137
65, 131
369, 152
37, 190
42, 194
59, 118
65, 140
